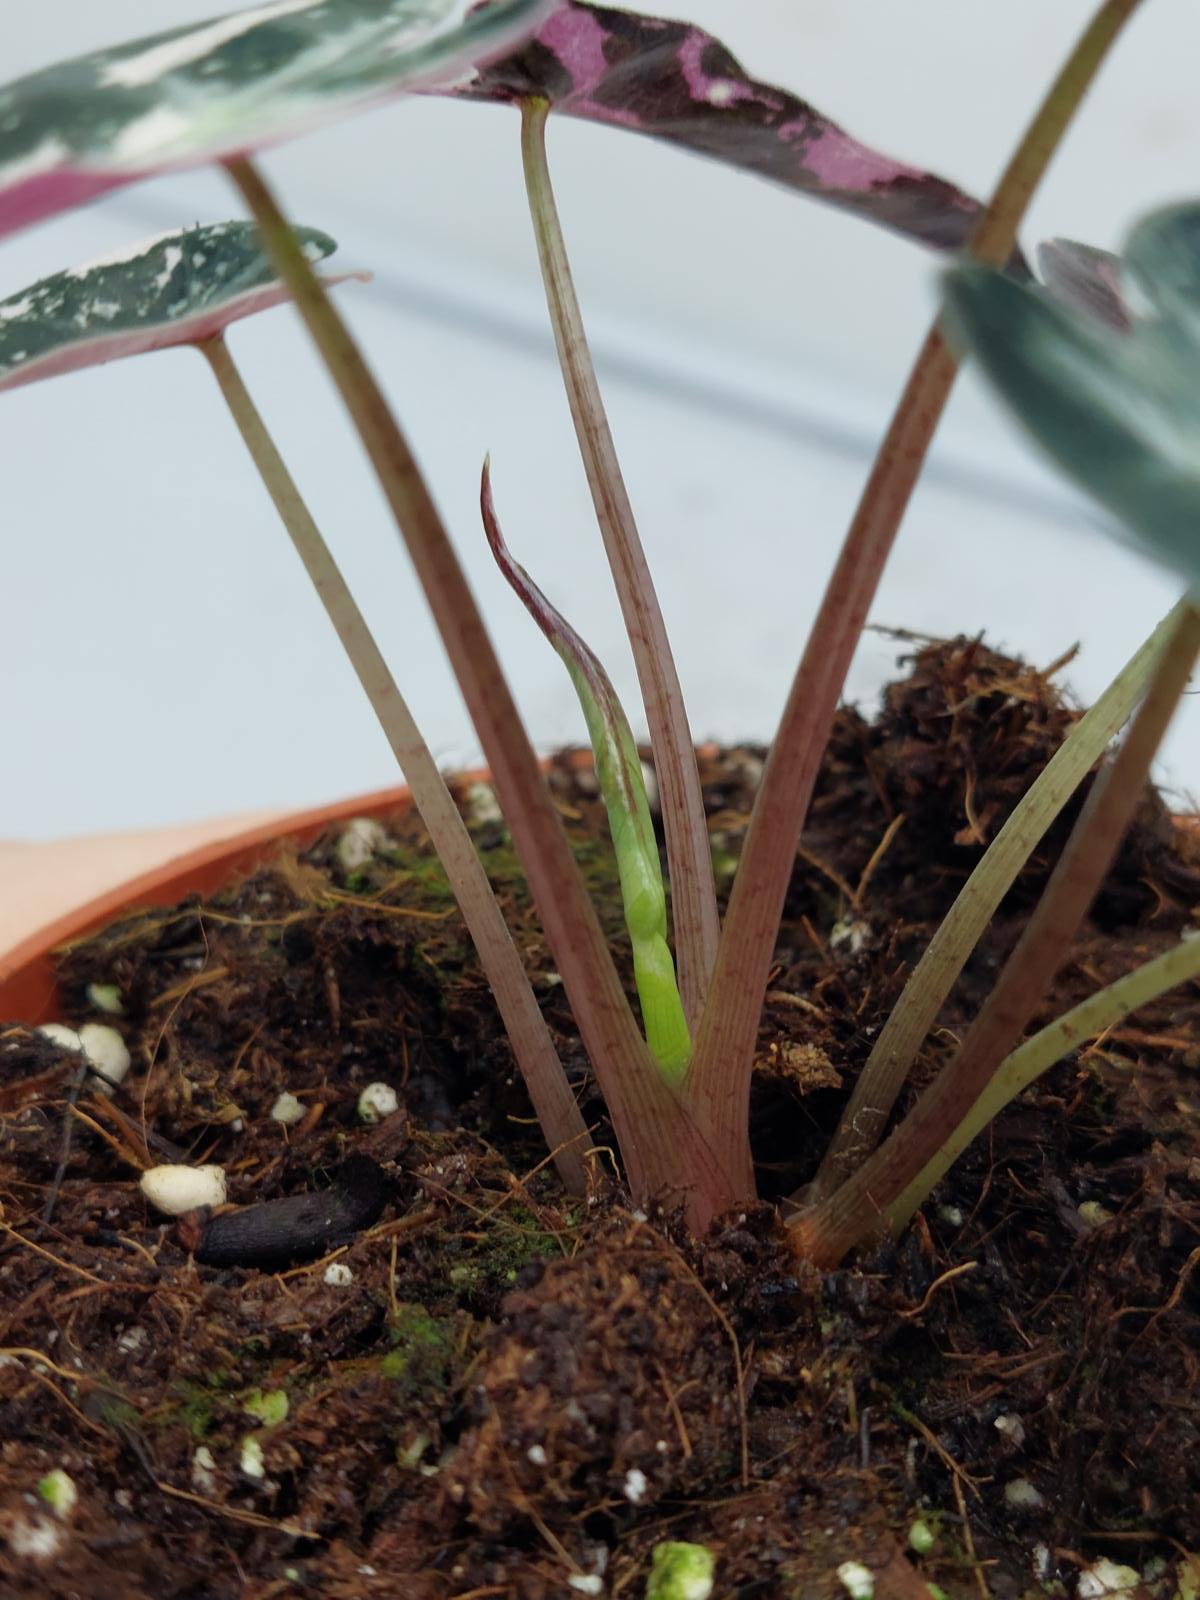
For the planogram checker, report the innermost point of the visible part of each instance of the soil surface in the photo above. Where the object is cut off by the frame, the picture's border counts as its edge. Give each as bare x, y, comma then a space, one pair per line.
475, 1386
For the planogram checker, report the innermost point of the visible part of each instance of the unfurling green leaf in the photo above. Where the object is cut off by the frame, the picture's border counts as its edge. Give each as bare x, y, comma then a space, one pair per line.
619, 772
178, 288
1118, 411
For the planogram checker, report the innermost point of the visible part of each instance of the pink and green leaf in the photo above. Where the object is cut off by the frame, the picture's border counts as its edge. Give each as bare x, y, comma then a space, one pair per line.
672, 81
178, 288
231, 84
623, 788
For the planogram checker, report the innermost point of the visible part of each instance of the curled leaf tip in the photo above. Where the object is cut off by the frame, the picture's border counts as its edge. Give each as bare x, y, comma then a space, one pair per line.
623, 788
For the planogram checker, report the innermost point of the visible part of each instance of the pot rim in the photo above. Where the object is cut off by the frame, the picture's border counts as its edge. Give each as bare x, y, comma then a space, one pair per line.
28, 991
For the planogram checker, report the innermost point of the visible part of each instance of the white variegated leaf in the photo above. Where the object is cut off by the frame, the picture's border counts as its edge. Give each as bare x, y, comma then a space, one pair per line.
228, 86
175, 289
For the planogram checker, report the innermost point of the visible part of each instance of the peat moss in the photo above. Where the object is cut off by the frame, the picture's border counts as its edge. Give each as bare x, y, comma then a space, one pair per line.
511, 1382
422, 1350
197, 1410
202, 1403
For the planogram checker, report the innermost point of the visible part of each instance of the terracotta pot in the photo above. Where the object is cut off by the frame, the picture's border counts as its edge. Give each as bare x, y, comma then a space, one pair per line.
53, 893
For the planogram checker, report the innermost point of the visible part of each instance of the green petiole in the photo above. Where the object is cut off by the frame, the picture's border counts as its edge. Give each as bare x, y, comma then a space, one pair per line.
1023, 1066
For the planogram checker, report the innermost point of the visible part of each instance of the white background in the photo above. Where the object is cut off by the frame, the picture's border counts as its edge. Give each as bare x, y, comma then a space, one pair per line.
161, 658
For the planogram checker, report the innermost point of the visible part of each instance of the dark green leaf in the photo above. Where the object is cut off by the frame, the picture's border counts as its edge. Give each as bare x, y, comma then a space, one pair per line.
1163, 253
1120, 413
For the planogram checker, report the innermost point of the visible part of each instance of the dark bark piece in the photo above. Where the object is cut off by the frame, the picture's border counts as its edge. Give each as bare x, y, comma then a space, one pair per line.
299, 1227
673, 81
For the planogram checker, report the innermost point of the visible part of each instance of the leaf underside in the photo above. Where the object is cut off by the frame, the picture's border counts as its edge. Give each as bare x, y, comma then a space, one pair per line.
226, 86
675, 82
1085, 278
175, 289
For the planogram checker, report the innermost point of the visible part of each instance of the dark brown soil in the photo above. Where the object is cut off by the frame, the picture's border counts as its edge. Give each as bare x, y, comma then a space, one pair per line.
514, 1389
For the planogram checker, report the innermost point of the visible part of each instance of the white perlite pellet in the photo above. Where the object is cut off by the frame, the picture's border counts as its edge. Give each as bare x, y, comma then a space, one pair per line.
378, 1100
1022, 1495
176, 1189
106, 1050
857, 1580
103, 1046
1104, 1578
288, 1110
204, 1469
636, 1484
359, 842
251, 1461
59, 1033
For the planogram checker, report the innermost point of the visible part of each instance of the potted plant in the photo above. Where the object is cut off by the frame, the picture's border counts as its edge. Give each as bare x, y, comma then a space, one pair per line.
634, 1413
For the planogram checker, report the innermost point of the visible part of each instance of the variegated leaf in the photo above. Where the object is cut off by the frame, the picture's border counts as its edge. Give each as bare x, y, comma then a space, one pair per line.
675, 82
231, 85
175, 289
227, 86
1118, 411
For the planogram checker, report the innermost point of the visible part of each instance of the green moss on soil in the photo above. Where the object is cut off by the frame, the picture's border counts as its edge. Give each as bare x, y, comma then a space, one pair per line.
422, 1350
